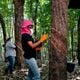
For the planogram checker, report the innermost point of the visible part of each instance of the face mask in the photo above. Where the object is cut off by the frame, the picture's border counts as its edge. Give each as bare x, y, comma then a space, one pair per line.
31, 31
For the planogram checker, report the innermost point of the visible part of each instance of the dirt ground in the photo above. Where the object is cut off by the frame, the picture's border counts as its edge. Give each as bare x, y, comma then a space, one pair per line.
44, 69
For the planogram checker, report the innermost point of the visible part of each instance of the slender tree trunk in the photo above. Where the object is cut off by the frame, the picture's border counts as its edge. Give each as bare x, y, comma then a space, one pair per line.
3, 27
79, 41
38, 54
19, 8
58, 43
4, 31
72, 55
31, 12
35, 17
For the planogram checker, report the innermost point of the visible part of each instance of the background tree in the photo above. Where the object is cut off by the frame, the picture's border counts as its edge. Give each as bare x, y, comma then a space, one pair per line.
78, 56
73, 16
72, 55
58, 42
3, 27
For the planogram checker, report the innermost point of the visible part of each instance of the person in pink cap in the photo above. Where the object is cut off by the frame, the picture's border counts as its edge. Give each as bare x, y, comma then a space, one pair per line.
29, 48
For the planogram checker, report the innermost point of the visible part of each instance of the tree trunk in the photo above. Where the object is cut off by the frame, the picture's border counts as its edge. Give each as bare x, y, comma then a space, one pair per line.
38, 54
3, 27
79, 41
58, 43
19, 8
35, 16
4, 31
72, 55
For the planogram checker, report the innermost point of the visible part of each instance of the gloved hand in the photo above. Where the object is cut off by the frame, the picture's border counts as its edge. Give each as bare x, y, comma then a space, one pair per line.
44, 37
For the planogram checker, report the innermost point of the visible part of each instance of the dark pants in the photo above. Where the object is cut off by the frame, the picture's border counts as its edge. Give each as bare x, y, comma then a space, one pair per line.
10, 67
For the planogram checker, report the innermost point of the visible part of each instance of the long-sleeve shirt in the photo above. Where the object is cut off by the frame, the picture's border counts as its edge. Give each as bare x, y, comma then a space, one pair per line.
10, 49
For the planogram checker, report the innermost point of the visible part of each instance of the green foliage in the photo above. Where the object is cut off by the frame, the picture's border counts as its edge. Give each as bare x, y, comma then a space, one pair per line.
43, 14
43, 18
6, 8
73, 15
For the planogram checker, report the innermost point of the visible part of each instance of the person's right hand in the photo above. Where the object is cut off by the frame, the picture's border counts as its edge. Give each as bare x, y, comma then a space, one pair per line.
44, 37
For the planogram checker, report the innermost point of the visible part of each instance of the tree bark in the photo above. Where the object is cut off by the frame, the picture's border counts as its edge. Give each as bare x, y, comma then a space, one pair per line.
3, 27
19, 8
58, 43
4, 31
78, 56
72, 45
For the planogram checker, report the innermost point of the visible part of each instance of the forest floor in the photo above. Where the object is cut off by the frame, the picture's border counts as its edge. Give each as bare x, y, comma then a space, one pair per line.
21, 74
75, 75
44, 69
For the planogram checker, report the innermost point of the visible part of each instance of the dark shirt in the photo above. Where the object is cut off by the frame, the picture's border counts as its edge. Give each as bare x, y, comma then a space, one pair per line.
28, 51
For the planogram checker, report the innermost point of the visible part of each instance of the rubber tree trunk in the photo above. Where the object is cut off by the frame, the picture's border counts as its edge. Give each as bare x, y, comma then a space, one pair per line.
3, 27
78, 41
4, 31
19, 8
72, 45
58, 43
